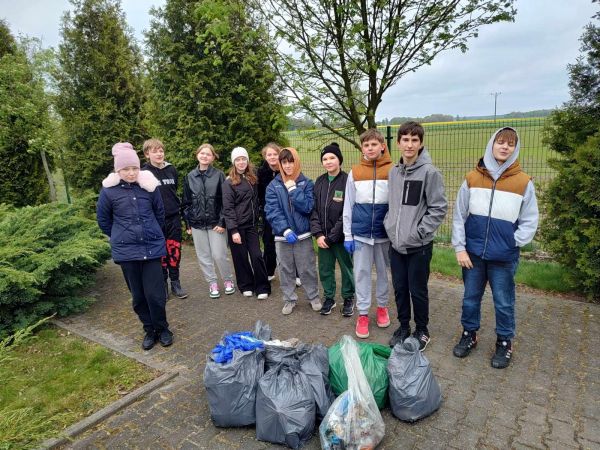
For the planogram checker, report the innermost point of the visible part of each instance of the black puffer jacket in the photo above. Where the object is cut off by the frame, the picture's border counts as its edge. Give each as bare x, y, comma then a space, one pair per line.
202, 202
240, 205
326, 217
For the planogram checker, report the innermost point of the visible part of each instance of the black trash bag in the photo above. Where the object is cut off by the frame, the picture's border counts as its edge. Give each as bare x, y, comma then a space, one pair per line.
314, 363
231, 387
275, 354
414, 392
285, 406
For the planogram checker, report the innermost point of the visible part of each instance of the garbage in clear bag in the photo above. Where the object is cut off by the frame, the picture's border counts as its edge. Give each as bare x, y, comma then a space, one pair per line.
353, 422
314, 362
374, 362
285, 406
414, 392
231, 386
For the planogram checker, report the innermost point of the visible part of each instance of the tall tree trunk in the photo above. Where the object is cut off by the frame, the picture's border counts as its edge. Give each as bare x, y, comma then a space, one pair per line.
49, 176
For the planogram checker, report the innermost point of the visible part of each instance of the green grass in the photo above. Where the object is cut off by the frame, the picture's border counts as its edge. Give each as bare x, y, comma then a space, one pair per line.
54, 380
547, 276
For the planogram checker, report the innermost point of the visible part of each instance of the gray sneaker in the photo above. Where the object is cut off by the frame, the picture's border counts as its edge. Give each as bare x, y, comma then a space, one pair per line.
288, 307
316, 304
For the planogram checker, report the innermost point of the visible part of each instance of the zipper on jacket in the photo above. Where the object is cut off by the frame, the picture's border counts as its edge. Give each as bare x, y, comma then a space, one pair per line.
487, 227
373, 203
326, 206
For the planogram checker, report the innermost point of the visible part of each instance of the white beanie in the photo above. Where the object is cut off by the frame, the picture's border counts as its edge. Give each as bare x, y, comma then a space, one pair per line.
237, 152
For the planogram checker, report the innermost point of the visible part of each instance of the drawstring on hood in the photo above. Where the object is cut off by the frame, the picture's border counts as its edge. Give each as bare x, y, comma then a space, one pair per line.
494, 169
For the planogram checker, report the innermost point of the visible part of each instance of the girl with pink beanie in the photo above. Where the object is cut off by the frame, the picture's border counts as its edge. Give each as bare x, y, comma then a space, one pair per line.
130, 212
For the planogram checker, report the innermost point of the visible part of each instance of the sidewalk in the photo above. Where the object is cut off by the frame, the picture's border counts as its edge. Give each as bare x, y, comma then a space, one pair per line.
548, 398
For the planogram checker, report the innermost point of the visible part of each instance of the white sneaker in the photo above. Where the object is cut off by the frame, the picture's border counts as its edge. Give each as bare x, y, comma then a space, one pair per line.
288, 307
213, 290
262, 296
316, 305
229, 287
271, 277
298, 282
247, 293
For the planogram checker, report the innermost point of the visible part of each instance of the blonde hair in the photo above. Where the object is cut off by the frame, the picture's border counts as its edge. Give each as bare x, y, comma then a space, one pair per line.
270, 145
208, 146
149, 144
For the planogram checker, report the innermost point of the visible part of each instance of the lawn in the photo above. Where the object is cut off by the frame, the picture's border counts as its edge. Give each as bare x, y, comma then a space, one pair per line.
54, 379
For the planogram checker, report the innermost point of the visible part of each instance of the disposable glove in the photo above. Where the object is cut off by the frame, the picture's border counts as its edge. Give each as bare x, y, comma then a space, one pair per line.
349, 246
291, 237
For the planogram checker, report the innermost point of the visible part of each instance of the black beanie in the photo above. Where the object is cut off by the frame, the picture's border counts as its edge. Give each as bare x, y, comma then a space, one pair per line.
335, 149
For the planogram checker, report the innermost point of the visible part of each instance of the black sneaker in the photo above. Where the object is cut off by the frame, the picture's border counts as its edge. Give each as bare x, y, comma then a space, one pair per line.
165, 338
423, 337
348, 309
399, 336
468, 341
328, 305
501, 358
177, 290
149, 340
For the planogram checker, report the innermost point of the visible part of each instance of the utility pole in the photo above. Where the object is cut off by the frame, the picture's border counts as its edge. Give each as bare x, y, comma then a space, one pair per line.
495, 94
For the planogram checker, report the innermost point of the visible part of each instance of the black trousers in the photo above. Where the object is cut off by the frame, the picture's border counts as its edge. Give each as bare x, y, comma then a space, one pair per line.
170, 263
410, 275
248, 262
269, 252
145, 282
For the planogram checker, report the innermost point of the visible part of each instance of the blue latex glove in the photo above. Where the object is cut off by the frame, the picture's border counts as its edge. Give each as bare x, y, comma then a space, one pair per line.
291, 238
349, 246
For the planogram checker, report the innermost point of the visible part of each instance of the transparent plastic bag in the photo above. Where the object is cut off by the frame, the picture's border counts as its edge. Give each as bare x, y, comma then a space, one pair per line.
353, 422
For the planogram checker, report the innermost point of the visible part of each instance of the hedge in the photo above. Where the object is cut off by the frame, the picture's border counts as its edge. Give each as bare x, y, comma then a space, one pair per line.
49, 253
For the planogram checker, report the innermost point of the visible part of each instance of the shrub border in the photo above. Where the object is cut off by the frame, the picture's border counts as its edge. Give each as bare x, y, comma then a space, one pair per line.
99, 416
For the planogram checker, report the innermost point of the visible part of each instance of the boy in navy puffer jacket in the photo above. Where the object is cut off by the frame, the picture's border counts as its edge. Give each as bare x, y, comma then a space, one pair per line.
130, 212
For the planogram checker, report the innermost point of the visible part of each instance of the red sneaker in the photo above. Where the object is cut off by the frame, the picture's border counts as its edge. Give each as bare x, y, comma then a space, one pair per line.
383, 318
362, 327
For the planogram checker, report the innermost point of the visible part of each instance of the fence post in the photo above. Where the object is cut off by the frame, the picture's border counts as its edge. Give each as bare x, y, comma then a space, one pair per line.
388, 138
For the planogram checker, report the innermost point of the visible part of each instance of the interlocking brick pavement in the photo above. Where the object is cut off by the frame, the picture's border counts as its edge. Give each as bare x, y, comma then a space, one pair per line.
548, 398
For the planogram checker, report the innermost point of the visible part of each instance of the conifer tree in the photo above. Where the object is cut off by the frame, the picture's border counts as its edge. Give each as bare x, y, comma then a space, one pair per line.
211, 79
100, 89
24, 124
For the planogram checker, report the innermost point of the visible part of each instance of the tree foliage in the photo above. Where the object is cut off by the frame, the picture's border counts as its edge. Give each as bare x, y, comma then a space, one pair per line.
100, 89
339, 57
211, 79
49, 253
572, 221
25, 125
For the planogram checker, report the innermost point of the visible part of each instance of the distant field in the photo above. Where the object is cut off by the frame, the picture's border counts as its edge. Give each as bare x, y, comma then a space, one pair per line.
455, 147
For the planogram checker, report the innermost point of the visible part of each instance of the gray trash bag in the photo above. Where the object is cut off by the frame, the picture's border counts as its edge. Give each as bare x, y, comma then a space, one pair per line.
262, 331
314, 363
414, 392
285, 406
275, 354
231, 388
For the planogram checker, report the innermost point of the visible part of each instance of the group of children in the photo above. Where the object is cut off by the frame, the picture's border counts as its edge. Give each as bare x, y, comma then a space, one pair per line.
379, 214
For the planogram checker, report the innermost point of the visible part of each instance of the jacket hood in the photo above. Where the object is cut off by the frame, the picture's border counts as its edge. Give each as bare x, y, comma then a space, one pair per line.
145, 179
297, 168
424, 158
496, 170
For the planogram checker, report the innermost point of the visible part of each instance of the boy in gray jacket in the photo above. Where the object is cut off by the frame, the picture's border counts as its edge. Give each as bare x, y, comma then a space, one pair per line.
417, 207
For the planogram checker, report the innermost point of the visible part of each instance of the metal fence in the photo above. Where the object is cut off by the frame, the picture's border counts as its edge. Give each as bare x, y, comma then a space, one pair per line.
455, 148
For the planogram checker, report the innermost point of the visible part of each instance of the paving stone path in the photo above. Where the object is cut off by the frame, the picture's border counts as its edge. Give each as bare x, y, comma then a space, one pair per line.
548, 398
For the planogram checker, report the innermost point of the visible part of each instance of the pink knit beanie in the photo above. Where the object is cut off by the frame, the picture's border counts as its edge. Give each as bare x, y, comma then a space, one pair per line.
125, 156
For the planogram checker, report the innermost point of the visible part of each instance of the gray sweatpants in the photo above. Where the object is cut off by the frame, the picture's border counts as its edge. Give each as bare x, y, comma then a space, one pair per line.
212, 246
297, 257
364, 257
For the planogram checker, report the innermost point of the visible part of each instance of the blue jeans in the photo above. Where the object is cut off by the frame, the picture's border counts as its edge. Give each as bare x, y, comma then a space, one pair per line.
501, 276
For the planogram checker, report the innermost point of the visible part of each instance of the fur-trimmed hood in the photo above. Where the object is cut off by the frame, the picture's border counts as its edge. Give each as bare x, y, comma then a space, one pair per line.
146, 180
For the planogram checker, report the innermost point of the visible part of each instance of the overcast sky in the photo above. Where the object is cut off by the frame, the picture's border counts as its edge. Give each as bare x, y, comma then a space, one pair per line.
525, 60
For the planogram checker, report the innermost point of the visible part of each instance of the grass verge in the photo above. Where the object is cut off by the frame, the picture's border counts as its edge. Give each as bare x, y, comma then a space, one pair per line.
54, 379
547, 276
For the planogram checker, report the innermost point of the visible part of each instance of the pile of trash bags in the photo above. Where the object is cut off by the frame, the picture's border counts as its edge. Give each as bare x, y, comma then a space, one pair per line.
286, 388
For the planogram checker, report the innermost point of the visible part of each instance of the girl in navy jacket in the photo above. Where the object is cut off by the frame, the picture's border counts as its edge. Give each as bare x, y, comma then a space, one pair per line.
130, 212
